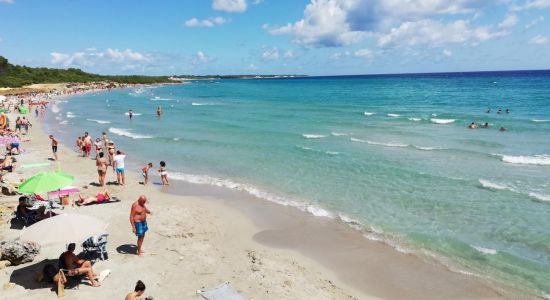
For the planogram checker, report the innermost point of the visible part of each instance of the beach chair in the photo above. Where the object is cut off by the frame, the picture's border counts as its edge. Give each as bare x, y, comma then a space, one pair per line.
26, 219
96, 244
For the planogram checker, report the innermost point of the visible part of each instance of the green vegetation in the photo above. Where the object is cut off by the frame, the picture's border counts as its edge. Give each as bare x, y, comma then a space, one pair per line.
17, 76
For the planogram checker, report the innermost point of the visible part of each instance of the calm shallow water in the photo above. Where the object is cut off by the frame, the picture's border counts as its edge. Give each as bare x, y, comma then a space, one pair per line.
391, 153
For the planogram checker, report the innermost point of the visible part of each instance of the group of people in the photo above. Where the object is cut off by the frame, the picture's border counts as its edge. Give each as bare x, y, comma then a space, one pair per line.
473, 125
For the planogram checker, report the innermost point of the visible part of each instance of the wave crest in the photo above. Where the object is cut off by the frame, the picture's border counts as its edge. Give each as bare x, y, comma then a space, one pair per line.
98, 121
128, 133
542, 160
313, 136
442, 121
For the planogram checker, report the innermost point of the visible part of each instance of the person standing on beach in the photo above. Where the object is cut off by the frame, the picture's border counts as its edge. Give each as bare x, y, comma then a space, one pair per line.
119, 166
101, 165
138, 220
138, 291
105, 139
54, 147
87, 145
145, 173
163, 173
111, 154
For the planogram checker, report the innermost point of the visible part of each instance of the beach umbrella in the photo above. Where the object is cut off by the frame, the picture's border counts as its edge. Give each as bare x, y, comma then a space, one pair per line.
45, 182
64, 192
63, 229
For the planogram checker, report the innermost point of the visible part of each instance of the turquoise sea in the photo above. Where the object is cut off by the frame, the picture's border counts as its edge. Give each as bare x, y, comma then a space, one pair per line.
390, 155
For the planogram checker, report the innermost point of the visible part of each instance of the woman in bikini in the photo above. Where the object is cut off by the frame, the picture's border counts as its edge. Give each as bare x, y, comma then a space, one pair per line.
101, 168
163, 173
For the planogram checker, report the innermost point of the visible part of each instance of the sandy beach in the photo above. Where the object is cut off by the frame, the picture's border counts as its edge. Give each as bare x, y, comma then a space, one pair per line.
202, 237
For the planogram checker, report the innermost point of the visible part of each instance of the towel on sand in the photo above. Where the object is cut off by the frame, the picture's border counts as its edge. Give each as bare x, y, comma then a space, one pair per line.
222, 292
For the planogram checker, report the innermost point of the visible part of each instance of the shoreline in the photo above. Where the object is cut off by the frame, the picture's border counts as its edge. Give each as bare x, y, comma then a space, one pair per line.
358, 266
288, 234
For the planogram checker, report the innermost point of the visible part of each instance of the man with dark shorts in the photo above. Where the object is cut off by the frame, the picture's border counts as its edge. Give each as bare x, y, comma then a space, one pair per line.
54, 147
138, 220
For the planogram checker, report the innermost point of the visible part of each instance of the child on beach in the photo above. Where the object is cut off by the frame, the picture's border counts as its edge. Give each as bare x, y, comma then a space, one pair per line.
163, 173
145, 173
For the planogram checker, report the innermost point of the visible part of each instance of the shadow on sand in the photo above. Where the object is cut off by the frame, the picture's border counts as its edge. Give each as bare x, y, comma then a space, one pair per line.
127, 249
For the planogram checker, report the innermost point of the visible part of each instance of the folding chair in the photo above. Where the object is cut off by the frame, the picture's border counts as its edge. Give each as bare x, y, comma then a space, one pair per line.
96, 244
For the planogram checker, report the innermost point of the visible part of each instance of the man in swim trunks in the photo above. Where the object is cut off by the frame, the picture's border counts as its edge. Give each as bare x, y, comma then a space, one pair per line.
138, 220
145, 173
87, 144
118, 164
54, 147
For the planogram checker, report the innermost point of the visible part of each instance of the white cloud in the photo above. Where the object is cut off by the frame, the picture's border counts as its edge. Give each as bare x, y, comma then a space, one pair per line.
447, 52
201, 58
7, 1
538, 40
436, 33
534, 22
93, 57
363, 53
289, 54
210, 22
330, 23
270, 54
340, 55
530, 4
232, 6
508, 22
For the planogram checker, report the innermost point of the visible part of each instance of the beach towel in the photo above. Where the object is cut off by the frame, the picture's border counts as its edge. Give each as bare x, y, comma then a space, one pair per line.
222, 292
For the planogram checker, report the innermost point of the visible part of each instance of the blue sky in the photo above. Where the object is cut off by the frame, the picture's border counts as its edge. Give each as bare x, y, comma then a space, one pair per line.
314, 37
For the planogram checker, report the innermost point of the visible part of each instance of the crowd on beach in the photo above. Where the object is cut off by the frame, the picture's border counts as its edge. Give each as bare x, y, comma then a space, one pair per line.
106, 156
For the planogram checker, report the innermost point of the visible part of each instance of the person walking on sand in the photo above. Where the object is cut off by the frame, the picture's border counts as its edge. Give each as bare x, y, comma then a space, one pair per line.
101, 165
138, 220
138, 291
118, 160
145, 173
54, 147
163, 173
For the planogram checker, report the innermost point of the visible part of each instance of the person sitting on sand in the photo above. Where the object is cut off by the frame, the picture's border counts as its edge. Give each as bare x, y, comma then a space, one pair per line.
145, 173
472, 125
99, 198
138, 291
78, 266
8, 164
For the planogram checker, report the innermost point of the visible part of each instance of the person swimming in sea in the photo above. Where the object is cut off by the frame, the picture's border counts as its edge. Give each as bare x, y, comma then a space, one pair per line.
159, 111
488, 111
485, 125
130, 114
472, 125
502, 129
507, 110
499, 111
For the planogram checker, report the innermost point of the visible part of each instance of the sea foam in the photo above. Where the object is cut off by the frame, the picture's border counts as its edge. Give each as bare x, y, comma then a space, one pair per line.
415, 119
492, 186
128, 133
485, 250
313, 136
393, 115
98, 121
542, 160
540, 121
540, 197
369, 113
442, 121
378, 143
